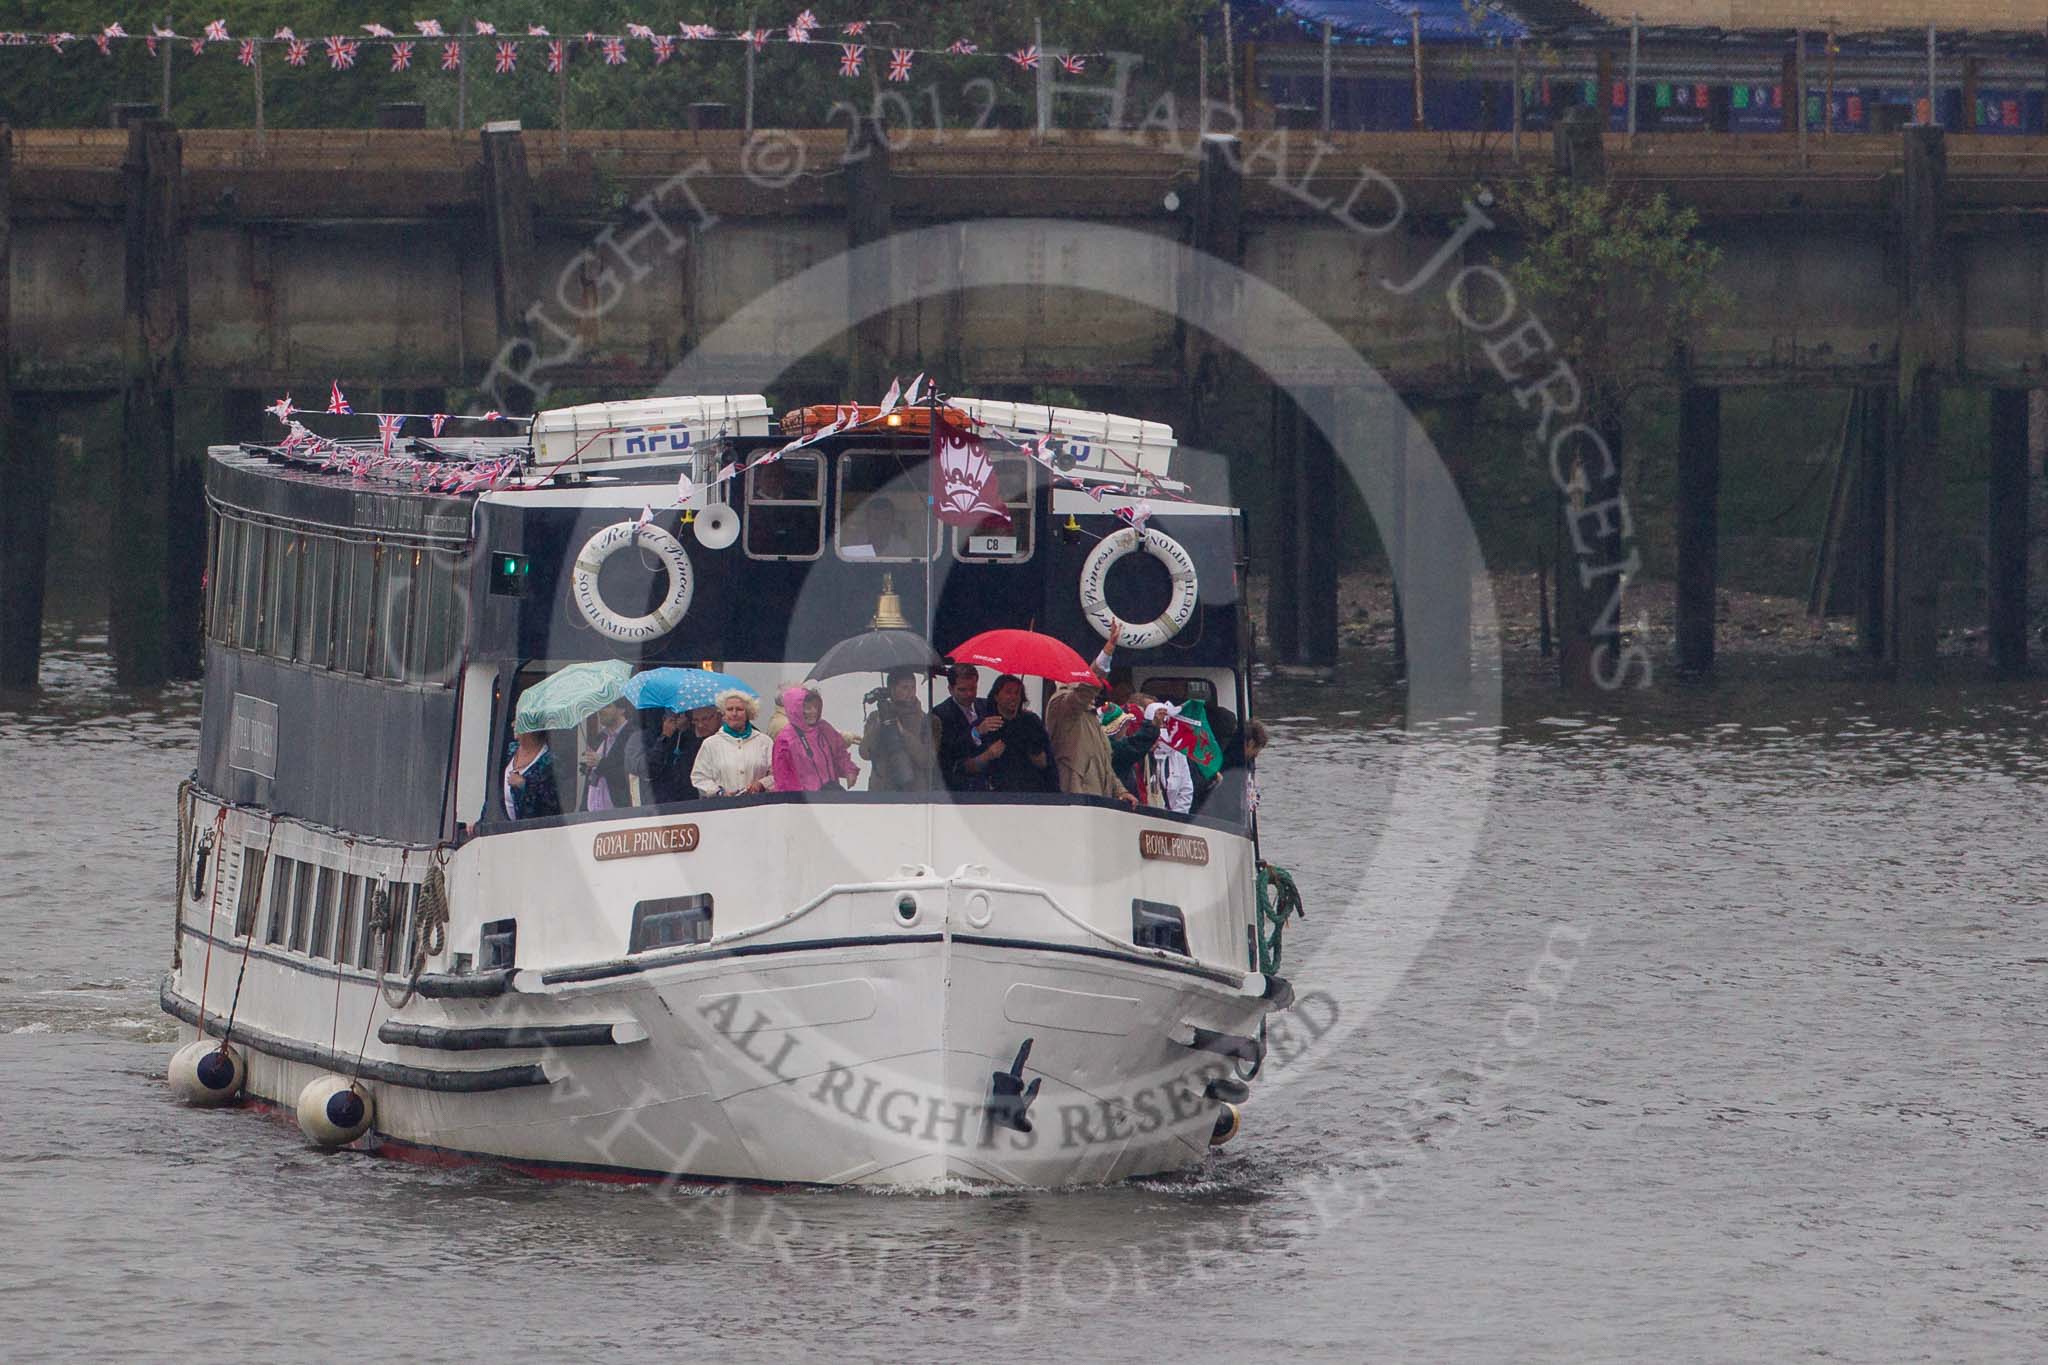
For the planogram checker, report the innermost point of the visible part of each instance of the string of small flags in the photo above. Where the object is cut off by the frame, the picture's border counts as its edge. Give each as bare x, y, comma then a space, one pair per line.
341, 52
385, 463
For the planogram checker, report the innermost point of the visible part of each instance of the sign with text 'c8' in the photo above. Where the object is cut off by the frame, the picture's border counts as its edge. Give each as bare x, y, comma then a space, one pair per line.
1173, 848
643, 841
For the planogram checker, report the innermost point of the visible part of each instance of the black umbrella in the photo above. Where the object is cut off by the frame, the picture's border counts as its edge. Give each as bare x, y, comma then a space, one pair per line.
877, 651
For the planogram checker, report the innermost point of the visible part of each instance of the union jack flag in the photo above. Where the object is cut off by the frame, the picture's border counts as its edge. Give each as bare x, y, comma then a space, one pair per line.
557, 54
639, 31
899, 63
806, 20
282, 409
437, 421
104, 40
295, 52
699, 32
856, 28
217, 31
664, 48
484, 30
283, 35
962, 48
401, 56
451, 56
341, 53
198, 44
378, 31
247, 56
615, 52
508, 57
1073, 65
537, 31
491, 416
387, 428
849, 59
758, 37
429, 28
57, 40
1026, 57
798, 35
335, 402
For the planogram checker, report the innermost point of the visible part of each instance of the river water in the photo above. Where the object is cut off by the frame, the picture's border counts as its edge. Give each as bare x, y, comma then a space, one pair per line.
1730, 1047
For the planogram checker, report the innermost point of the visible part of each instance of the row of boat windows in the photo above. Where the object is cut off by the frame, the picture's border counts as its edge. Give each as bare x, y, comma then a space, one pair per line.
322, 912
361, 607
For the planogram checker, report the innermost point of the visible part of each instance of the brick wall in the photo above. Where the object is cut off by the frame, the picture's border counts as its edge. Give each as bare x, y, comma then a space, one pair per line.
1848, 16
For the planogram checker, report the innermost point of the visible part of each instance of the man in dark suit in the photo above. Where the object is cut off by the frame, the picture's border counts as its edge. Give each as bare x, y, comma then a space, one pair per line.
961, 724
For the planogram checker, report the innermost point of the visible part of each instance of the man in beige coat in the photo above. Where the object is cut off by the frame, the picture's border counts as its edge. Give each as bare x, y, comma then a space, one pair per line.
1079, 746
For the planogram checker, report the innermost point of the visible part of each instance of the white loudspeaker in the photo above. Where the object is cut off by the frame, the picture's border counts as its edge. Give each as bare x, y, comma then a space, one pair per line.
717, 526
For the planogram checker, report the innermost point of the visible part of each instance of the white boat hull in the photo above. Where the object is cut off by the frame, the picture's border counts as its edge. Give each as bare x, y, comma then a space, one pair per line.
839, 1043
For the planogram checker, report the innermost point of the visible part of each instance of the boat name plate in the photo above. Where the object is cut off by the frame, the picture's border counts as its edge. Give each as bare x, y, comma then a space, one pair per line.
1173, 848
643, 841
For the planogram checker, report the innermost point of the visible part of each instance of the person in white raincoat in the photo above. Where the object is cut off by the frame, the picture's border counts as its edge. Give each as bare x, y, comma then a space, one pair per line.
735, 759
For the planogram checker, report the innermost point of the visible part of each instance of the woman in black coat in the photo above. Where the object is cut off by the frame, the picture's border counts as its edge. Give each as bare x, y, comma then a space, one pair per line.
1018, 756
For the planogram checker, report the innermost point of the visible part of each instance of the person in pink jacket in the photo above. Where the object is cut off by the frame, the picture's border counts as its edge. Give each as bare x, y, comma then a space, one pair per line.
809, 754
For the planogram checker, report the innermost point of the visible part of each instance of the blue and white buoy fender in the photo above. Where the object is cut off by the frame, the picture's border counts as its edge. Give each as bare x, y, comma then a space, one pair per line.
334, 1111
1229, 1119
205, 1073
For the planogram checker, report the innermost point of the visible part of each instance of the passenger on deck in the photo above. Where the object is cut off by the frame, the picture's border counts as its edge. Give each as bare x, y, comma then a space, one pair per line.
1169, 777
737, 758
810, 755
1019, 757
897, 739
530, 779
673, 754
961, 725
614, 759
1079, 746
1131, 738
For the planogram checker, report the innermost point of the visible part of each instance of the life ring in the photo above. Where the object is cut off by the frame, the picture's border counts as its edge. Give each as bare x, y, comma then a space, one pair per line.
675, 562
1180, 565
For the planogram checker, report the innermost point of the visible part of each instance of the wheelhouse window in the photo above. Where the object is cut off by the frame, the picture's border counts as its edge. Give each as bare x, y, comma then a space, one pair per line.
991, 541
316, 633
882, 516
786, 508
288, 551
353, 647
251, 588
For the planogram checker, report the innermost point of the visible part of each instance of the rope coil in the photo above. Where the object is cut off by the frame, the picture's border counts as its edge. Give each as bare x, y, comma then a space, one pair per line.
1279, 901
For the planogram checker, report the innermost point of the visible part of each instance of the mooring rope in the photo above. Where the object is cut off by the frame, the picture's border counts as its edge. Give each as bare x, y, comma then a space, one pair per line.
1274, 912
220, 824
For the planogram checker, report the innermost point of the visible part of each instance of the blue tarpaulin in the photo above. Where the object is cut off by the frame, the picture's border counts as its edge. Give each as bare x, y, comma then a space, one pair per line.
1443, 21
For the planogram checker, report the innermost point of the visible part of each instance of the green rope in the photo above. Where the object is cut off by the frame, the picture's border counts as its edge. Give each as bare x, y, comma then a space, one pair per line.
1279, 900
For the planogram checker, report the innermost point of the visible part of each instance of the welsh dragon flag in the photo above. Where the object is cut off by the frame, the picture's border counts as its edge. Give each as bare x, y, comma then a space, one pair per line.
964, 490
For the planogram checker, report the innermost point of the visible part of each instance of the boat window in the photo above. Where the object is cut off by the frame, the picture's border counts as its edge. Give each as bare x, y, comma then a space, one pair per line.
1178, 690
360, 574
288, 551
250, 588
992, 542
670, 922
280, 900
391, 613
220, 607
347, 918
1156, 924
882, 508
250, 894
441, 632
316, 631
786, 508
398, 944
302, 905
366, 937
322, 942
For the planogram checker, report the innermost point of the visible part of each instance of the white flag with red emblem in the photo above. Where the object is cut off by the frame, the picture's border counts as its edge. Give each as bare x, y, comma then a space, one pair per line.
964, 491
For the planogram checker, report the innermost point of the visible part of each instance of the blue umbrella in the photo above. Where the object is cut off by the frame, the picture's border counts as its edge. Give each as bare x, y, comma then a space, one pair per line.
681, 689
564, 698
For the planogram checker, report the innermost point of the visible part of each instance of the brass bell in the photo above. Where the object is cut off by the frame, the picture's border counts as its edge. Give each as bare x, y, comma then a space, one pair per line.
889, 608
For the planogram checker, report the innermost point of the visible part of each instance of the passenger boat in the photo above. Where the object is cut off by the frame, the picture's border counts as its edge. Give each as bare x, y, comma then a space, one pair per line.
904, 989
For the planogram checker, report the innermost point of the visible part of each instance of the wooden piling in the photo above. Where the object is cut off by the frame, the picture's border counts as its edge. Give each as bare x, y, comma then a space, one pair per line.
508, 224
1218, 231
24, 485
1315, 545
2006, 527
1929, 346
1699, 525
1875, 422
1283, 578
199, 419
870, 217
139, 600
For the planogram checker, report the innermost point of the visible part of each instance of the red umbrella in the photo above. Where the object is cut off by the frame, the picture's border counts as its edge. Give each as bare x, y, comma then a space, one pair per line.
1025, 651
